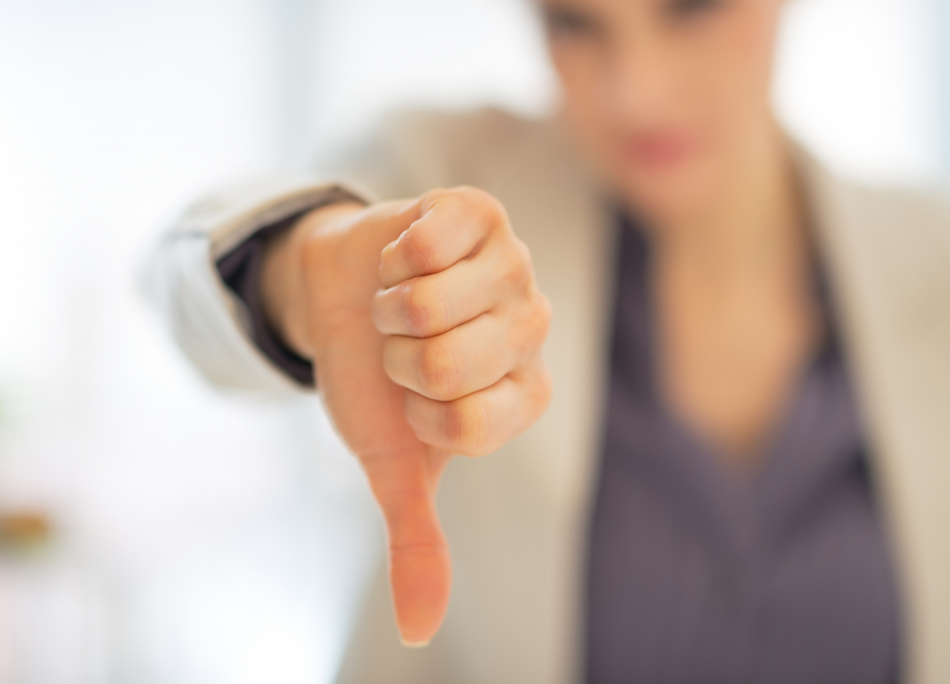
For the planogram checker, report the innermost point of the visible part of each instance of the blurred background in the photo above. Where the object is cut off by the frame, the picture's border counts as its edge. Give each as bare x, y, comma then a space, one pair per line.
151, 529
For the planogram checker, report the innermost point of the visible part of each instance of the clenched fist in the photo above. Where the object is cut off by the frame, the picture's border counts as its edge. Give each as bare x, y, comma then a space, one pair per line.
425, 326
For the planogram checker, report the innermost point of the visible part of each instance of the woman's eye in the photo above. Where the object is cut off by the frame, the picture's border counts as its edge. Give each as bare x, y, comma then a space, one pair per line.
565, 22
690, 8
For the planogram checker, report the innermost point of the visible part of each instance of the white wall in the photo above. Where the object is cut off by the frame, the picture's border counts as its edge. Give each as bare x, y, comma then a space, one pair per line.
858, 83
940, 38
191, 528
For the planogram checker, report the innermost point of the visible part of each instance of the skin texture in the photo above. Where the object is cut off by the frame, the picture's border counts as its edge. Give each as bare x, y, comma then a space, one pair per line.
423, 317
425, 326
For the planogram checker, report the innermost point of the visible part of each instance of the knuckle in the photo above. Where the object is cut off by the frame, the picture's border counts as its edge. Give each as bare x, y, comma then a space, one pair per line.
425, 311
532, 326
541, 318
466, 425
435, 195
518, 272
545, 389
420, 251
484, 204
537, 388
438, 371
524, 256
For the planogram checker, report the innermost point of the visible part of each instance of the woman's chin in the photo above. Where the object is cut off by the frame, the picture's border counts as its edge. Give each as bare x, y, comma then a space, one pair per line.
667, 202
663, 191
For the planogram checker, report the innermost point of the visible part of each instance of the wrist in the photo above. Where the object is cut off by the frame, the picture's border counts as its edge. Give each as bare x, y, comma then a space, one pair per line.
284, 277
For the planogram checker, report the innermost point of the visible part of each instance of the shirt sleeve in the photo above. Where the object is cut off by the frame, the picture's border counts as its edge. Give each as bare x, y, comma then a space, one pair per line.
241, 270
203, 277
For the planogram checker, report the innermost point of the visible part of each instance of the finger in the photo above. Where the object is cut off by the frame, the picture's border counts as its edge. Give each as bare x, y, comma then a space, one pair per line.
480, 423
452, 224
420, 569
466, 359
431, 305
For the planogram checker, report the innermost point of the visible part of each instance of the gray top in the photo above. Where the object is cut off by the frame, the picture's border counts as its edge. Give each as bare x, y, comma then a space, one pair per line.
700, 574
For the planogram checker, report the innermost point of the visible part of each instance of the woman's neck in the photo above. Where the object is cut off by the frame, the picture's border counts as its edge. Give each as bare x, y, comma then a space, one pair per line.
754, 225
735, 314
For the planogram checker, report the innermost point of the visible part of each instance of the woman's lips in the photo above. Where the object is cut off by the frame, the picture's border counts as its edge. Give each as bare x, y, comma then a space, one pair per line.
658, 149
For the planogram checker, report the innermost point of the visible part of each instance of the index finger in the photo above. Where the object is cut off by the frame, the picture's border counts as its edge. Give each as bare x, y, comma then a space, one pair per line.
452, 225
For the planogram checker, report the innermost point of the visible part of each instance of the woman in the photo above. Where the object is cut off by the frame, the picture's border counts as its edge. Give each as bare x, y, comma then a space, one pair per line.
741, 473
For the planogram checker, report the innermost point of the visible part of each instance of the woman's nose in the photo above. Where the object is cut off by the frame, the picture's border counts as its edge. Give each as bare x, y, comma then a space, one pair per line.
641, 78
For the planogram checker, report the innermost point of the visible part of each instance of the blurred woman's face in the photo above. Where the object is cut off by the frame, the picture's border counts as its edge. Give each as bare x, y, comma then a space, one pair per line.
670, 98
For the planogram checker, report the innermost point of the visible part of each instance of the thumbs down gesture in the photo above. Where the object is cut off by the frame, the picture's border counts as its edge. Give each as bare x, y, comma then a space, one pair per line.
425, 325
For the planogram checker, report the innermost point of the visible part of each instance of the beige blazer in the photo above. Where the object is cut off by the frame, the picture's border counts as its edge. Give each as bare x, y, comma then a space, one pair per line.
516, 520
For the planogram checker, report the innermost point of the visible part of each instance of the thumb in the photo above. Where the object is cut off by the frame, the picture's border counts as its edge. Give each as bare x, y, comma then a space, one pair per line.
420, 569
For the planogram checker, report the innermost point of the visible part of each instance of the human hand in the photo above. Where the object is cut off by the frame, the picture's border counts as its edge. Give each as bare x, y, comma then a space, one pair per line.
425, 326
